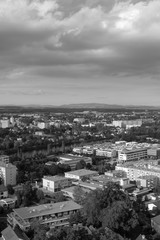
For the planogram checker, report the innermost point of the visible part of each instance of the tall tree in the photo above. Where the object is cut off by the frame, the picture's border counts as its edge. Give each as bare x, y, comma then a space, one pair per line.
120, 217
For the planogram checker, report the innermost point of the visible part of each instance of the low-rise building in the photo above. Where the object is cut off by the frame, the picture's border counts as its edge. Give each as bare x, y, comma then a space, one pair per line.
51, 215
55, 183
109, 153
81, 173
72, 160
91, 185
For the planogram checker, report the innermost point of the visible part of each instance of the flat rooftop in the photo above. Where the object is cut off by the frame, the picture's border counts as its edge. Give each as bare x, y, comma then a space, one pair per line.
46, 209
71, 189
105, 178
54, 178
82, 172
9, 234
156, 219
133, 150
88, 185
69, 157
147, 177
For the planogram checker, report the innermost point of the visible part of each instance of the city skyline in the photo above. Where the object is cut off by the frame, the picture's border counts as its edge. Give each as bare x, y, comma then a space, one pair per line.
56, 52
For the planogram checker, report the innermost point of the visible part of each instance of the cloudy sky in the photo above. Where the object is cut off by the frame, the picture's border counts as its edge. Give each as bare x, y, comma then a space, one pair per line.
80, 51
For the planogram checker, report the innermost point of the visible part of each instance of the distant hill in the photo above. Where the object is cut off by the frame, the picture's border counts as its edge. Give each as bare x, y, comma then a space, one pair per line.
105, 106
76, 106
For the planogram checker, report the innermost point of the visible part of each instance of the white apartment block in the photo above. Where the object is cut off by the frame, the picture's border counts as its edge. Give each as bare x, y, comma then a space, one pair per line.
77, 150
55, 183
8, 173
148, 181
129, 123
133, 154
135, 172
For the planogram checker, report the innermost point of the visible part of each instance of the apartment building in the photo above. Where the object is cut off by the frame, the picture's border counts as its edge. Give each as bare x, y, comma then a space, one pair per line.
72, 160
109, 153
132, 154
127, 123
56, 183
134, 172
8, 173
79, 174
148, 181
51, 215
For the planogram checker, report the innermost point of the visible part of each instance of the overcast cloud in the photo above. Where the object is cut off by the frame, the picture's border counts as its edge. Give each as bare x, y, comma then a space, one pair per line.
74, 51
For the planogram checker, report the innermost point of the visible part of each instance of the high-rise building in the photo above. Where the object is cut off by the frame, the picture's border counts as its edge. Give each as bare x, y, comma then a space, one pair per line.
8, 173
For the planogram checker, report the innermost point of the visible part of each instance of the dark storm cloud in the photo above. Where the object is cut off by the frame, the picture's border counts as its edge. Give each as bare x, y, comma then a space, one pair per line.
85, 39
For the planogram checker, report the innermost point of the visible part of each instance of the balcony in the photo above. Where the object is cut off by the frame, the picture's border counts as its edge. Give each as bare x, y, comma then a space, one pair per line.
12, 217
54, 220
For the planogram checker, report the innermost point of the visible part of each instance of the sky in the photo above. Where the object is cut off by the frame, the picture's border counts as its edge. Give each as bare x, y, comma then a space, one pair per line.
55, 52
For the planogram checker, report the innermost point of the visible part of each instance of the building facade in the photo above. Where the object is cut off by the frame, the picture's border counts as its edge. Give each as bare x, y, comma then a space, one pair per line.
8, 173
148, 181
79, 174
133, 154
72, 160
51, 215
55, 183
133, 172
